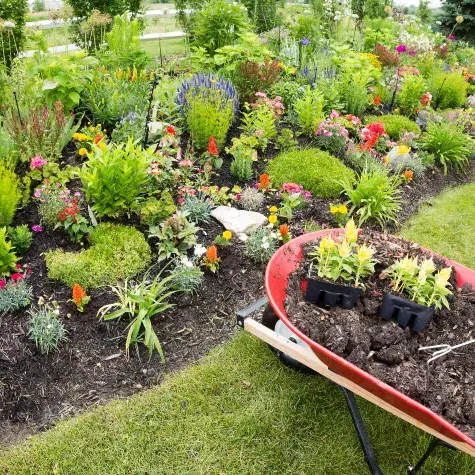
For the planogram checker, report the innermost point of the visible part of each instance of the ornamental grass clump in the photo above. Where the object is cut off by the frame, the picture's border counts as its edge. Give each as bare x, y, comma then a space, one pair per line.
450, 146
209, 105
422, 282
374, 195
344, 259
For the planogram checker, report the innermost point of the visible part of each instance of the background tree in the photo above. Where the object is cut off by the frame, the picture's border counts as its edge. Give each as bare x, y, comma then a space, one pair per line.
93, 18
263, 13
424, 12
451, 9
12, 29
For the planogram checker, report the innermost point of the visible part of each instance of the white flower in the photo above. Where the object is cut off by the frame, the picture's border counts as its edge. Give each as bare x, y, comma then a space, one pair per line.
265, 245
186, 262
199, 250
56, 311
9, 24
273, 235
438, 23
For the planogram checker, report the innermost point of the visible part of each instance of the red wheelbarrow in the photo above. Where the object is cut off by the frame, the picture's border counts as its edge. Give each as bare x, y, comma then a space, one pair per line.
294, 346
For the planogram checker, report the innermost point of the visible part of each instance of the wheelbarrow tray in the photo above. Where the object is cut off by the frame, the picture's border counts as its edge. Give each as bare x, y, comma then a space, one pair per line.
284, 262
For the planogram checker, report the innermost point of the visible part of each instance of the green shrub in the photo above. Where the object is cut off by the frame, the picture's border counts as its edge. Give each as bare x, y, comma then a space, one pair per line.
449, 90
12, 39
218, 24
21, 238
263, 13
10, 194
374, 195
450, 146
409, 97
8, 258
317, 171
289, 91
115, 177
394, 125
116, 252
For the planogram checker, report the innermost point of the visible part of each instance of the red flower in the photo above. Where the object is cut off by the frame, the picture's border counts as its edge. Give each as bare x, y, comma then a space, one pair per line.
377, 128
17, 266
61, 216
377, 100
16, 276
213, 147
97, 138
170, 130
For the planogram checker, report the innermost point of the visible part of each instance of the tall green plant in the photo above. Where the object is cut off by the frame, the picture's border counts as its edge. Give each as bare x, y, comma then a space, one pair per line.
218, 24
10, 194
12, 29
263, 13
309, 110
115, 177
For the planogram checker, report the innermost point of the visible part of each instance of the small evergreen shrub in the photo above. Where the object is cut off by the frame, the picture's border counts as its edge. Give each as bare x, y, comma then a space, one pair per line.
116, 252
394, 125
317, 171
449, 90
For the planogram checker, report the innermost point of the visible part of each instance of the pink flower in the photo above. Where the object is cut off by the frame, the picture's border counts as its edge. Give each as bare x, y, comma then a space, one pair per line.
401, 49
3, 284
185, 163
37, 162
260, 132
412, 53
334, 114
17, 276
37, 228
238, 197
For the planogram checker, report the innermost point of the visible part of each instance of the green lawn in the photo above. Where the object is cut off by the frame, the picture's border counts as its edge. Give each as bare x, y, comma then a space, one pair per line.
447, 225
241, 412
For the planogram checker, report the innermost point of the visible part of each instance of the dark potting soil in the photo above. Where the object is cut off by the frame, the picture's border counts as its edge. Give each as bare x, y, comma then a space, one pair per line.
387, 351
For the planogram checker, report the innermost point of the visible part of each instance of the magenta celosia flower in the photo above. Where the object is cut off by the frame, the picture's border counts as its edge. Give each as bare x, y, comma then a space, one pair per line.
37, 228
452, 38
3, 284
37, 162
401, 48
412, 53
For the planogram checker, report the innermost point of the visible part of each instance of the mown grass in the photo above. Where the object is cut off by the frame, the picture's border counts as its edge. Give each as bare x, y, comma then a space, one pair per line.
446, 224
242, 412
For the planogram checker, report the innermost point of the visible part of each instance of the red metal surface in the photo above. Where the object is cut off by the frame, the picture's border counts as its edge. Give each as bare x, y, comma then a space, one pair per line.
282, 264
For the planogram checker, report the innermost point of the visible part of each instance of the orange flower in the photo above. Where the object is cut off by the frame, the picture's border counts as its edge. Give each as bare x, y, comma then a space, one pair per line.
283, 230
377, 100
78, 294
212, 253
97, 138
264, 181
213, 147
408, 175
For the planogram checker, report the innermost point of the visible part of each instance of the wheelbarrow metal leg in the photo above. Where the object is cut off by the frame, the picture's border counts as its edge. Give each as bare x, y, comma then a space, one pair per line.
361, 431
432, 446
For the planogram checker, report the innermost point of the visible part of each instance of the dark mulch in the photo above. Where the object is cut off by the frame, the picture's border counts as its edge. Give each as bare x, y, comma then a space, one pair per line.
389, 352
91, 368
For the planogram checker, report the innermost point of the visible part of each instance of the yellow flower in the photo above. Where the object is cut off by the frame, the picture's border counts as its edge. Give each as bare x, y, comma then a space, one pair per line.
403, 150
459, 19
444, 274
281, 65
82, 151
227, 235
385, 160
80, 137
344, 249
351, 233
327, 243
334, 209
365, 253
273, 209
292, 71
102, 145
427, 266
272, 219
342, 209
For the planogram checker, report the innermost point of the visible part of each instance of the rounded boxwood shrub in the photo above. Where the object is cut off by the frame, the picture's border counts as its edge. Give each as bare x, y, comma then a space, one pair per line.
116, 252
449, 90
394, 125
314, 169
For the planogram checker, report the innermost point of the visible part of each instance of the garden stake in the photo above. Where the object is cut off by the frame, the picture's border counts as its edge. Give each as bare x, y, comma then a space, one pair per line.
147, 118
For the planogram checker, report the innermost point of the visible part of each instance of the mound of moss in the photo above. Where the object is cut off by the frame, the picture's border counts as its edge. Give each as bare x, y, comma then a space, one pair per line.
116, 252
394, 125
317, 171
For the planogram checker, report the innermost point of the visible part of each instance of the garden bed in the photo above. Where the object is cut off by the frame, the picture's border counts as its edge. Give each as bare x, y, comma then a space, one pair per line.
92, 368
389, 352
